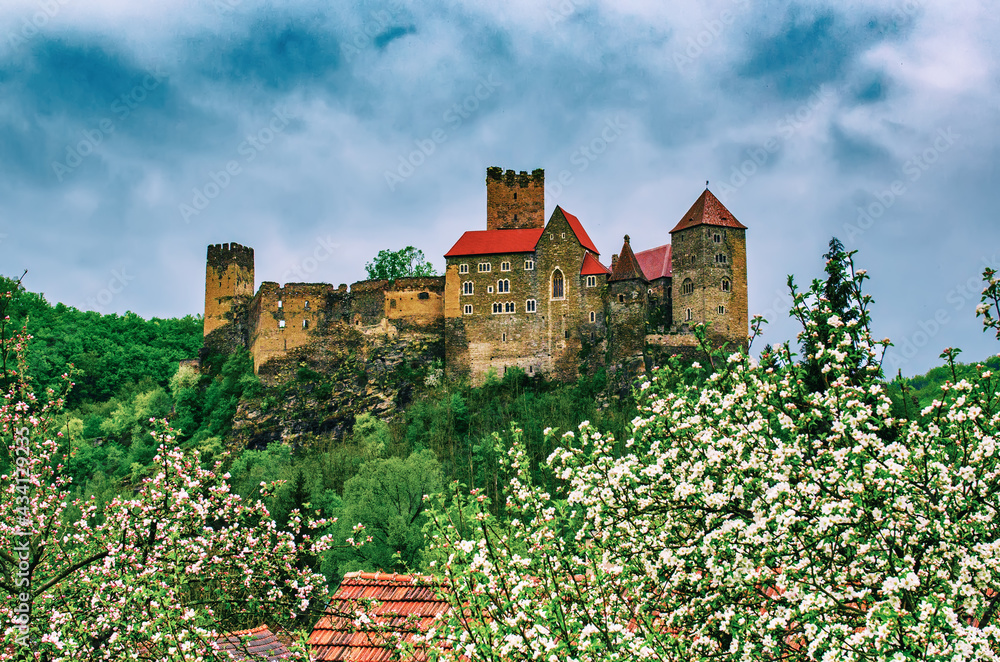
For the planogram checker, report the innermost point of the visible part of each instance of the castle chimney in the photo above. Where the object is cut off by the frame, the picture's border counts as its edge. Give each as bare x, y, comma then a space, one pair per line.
514, 200
614, 260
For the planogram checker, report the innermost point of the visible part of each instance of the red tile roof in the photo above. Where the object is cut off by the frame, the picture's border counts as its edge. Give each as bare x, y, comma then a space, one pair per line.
707, 210
581, 234
656, 262
256, 645
492, 242
405, 605
592, 266
627, 267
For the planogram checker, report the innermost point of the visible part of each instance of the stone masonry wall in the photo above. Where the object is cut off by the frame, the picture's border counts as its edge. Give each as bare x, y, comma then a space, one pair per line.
229, 273
514, 200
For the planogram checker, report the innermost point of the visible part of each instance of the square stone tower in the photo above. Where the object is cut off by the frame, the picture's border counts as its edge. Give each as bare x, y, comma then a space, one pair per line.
229, 279
515, 201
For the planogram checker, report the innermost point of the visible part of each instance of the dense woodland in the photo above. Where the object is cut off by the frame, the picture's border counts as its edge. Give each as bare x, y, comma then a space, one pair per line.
124, 373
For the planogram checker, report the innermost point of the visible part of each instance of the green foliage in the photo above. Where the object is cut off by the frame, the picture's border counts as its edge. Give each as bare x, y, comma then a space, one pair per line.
406, 262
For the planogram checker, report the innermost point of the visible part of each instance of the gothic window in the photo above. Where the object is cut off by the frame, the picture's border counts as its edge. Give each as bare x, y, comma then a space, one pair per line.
687, 287
530, 306
721, 258
529, 265
497, 308
717, 238
463, 268
593, 316
468, 309
726, 285
468, 287
505, 266
591, 281
688, 316
484, 267
558, 288
503, 285
508, 307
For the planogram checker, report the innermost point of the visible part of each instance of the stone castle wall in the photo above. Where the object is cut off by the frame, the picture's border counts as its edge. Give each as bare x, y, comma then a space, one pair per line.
228, 276
514, 200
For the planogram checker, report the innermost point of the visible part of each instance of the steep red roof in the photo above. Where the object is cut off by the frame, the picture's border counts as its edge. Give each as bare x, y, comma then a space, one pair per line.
492, 242
707, 210
627, 267
593, 267
656, 262
407, 605
256, 645
581, 234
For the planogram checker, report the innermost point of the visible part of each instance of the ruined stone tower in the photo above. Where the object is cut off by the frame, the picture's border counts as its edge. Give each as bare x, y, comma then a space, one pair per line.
515, 200
710, 270
229, 283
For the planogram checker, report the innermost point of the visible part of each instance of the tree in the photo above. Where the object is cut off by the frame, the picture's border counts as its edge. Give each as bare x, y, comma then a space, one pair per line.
406, 262
748, 517
158, 573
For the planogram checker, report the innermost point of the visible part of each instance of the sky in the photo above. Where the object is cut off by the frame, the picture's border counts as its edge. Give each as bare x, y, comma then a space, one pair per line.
133, 135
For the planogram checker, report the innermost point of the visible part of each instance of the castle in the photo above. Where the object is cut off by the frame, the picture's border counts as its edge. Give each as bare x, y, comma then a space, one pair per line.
522, 293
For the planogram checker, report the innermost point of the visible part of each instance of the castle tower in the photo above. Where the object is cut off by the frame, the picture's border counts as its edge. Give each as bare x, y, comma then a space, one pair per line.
709, 263
628, 306
515, 200
228, 278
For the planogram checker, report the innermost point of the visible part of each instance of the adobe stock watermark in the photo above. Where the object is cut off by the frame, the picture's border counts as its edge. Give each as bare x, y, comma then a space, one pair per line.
959, 297
123, 106
32, 26
21, 551
786, 127
711, 32
324, 249
219, 180
453, 118
912, 170
560, 12
586, 154
120, 278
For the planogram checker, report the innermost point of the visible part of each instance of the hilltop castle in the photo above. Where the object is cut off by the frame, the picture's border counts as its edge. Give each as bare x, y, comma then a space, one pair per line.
522, 293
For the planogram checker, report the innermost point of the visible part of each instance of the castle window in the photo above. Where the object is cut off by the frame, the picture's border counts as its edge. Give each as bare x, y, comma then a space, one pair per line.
484, 267
529, 265
305, 306
503, 337
497, 308
670, 293
566, 333
515, 195
467, 309
509, 307
562, 235
305, 324
503, 285
591, 281
593, 316
621, 298
279, 303
721, 258
424, 295
468, 287
281, 324
489, 290
717, 238
515, 218
530, 306
463, 268
558, 286
691, 259
593, 336
687, 287
722, 310
688, 316
505, 266
726, 285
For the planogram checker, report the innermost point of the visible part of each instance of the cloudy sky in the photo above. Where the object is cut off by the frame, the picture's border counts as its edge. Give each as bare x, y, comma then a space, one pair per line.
132, 135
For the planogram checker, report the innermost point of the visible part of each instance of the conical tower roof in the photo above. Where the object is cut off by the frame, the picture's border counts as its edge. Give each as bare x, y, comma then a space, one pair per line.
627, 267
707, 210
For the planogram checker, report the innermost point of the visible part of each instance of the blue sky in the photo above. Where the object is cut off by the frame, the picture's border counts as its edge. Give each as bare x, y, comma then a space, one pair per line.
132, 135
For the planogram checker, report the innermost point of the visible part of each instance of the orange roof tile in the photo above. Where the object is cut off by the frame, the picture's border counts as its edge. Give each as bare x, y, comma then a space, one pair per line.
493, 242
707, 210
592, 266
405, 605
256, 645
656, 262
627, 267
577, 227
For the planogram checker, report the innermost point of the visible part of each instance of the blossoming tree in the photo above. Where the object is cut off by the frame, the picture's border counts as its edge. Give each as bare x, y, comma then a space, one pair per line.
156, 574
748, 517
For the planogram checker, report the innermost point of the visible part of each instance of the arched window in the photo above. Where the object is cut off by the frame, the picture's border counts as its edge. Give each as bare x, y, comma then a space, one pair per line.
726, 285
558, 289
687, 287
